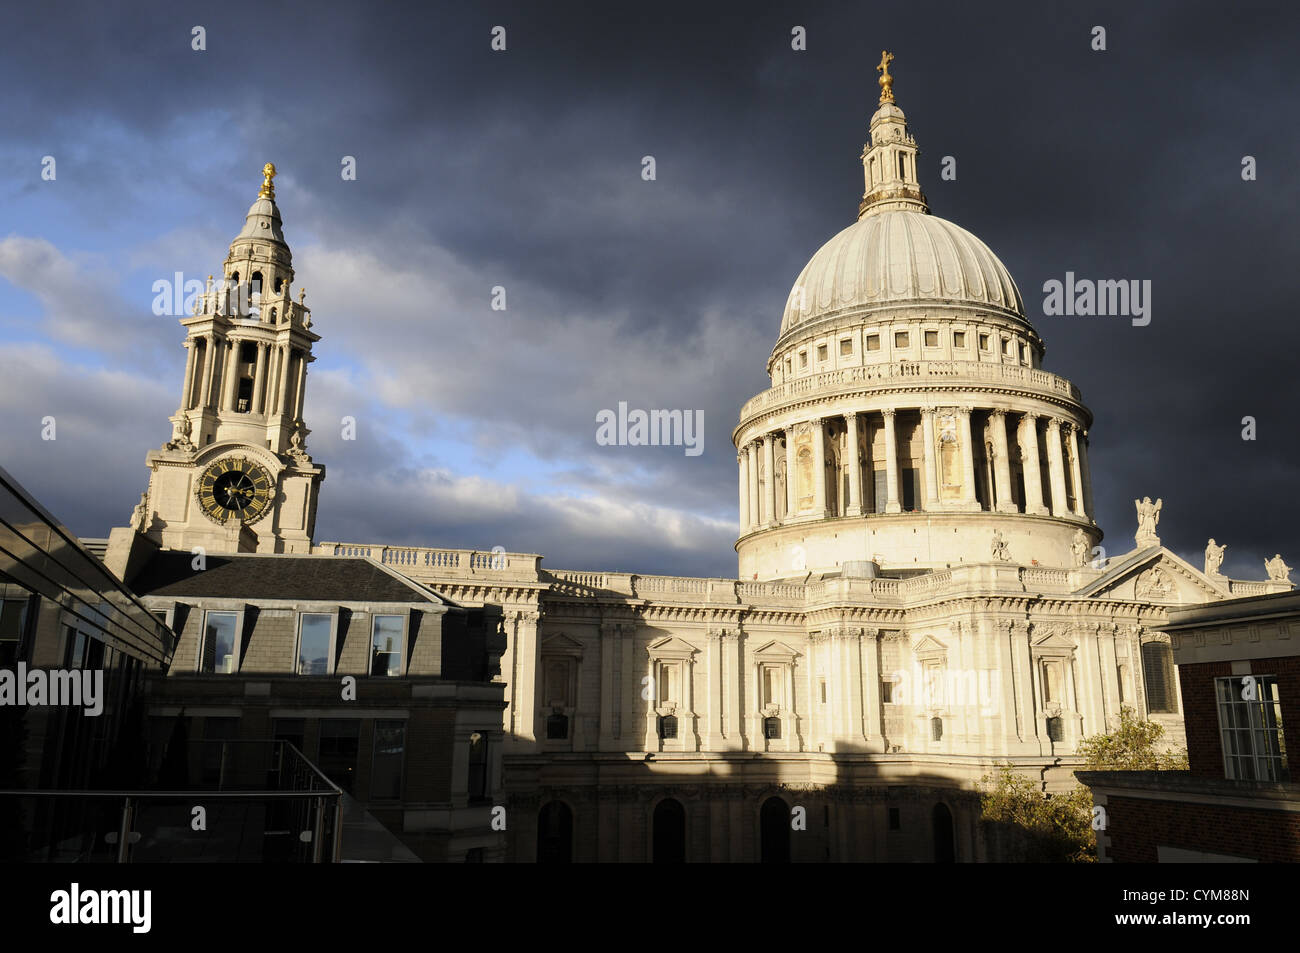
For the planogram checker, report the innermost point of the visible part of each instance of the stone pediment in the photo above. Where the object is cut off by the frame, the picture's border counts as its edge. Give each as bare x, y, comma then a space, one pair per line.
1050, 637
671, 647
929, 646
561, 644
1159, 576
775, 652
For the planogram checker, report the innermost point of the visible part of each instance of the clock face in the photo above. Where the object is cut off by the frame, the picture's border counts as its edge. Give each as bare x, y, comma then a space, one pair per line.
234, 488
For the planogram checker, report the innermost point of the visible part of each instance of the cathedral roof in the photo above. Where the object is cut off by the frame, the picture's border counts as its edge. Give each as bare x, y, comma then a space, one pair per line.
896, 256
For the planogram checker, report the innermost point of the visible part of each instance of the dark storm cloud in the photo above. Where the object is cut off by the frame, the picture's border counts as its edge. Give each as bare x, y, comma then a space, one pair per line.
525, 165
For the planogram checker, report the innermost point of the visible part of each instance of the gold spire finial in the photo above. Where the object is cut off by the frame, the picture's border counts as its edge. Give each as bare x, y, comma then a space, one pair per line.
886, 81
268, 187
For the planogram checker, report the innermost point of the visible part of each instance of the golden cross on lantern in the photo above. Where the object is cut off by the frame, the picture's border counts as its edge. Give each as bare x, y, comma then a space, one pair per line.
886, 81
268, 187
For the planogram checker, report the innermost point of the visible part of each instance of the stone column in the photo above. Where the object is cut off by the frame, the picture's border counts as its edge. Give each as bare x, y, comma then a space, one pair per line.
968, 459
1076, 471
1086, 473
1056, 467
742, 466
819, 467
851, 658
854, 507
791, 478
1001, 462
931, 459
188, 390
769, 491
713, 728
209, 360
286, 365
754, 498
526, 648
300, 387
1033, 473
231, 379
868, 652
891, 464
733, 727
259, 380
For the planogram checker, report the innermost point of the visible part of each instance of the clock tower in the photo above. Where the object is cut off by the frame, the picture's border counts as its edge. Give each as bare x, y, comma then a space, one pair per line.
236, 475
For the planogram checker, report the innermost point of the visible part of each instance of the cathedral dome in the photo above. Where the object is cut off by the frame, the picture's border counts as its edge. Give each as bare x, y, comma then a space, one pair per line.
894, 256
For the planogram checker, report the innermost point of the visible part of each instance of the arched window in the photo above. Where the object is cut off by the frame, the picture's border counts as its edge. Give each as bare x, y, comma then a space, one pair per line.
555, 834
944, 846
279, 283
1056, 728
669, 826
774, 829
256, 283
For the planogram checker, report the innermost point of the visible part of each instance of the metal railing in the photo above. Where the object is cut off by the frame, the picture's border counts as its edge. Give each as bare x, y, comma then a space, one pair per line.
269, 805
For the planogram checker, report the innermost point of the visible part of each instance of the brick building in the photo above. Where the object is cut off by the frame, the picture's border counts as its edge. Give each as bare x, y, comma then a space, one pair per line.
1239, 670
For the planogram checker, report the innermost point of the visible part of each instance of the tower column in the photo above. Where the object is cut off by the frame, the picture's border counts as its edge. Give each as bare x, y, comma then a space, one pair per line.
854, 507
742, 467
930, 461
286, 364
230, 380
968, 459
754, 500
1086, 473
819, 467
209, 359
1033, 471
259, 379
1076, 471
769, 491
300, 389
791, 482
891, 464
188, 390
1056, 467
1001, 462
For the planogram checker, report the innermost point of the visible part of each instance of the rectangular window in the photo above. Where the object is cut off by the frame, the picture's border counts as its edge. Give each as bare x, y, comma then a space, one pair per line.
1024, 351
958, 338
76, 648
846, 347
803, 358
13, 623
1158, 673
900, 339
931, 338
911, 489
220, 647
386, 645
1006, 346
822, 683
1250, 724
984, 342
339, 742
314, 644
873, 342
479, 789
1051, 677
887, 693
390, 752
821, 352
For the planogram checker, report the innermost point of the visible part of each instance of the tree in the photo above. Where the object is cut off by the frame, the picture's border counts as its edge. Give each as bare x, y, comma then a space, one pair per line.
1133, 746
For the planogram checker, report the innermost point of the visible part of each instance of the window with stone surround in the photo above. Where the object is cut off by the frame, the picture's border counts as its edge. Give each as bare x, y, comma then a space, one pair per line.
931, 338
873, 342
846, 347
958, 338
803, 359
1250, 726
1158, 673
984, 342
901, 339
822, 352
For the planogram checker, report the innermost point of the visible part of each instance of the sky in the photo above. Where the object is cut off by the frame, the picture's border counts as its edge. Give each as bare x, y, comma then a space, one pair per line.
522, 169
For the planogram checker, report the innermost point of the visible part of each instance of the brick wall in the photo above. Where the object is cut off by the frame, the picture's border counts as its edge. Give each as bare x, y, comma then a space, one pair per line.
1137, 827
